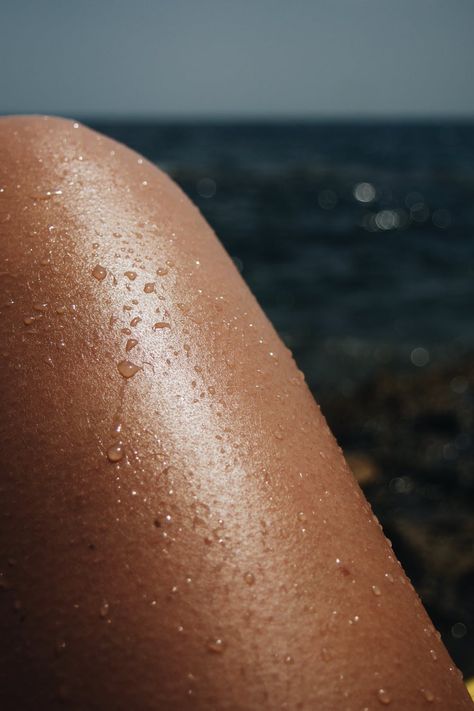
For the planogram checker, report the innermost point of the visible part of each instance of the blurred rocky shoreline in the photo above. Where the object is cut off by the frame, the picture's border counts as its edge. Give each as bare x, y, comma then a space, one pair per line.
408, 437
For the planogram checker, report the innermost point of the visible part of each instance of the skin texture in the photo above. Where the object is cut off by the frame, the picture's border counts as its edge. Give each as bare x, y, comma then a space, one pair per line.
227, 559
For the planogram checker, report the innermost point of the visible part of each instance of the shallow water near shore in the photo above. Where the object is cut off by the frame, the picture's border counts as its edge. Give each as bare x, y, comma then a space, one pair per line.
358, 241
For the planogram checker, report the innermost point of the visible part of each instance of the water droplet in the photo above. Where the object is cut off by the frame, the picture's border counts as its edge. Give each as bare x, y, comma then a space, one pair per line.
326, 654
289, 659
149, 288
28, 320
434, 656
61, 310
59, 647
429, 696
249, 578
384, 697
131, 275
161, 324
389, 577
135, 321
116, 452
216, 645
127, 369
302, 517
40, 307
162, 271
376, 590
131, 343
17, 606
104, 610
99, 272
63, 693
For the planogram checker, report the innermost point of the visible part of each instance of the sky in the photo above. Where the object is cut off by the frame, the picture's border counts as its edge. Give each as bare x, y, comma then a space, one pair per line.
239, 58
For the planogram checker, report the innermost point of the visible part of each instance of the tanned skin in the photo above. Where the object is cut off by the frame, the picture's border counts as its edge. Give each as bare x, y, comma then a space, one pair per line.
178, 527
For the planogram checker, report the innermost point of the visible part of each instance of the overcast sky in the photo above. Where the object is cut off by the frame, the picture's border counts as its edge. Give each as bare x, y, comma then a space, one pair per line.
237, 58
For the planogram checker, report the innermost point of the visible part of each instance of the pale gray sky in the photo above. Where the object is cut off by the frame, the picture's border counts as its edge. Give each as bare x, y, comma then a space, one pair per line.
273, 58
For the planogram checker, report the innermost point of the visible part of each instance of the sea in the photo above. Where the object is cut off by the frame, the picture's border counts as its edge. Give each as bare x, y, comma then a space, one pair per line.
357, 238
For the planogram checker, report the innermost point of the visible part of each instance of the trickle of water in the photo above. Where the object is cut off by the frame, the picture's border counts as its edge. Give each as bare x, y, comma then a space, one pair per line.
161, 324
149, 288
131, 275
127, 369
104, 610
249, 578
376, 590
116, 452
99, 272
216, 645
384, 697
131, 343
429, 696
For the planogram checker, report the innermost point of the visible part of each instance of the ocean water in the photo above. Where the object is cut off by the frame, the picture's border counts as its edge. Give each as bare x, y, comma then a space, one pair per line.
357, 238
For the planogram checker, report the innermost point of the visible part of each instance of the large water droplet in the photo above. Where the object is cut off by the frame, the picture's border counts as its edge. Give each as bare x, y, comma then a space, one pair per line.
249, 578
149, 288
135, 321
216, 645
384, 697
127, 369
116, 452
131, 343
99, 272
429, 696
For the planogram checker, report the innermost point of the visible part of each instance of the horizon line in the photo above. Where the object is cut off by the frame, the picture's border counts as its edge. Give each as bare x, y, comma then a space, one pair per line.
184, 118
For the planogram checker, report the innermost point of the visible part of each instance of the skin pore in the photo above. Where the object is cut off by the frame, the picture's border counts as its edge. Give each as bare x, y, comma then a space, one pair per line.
178, 527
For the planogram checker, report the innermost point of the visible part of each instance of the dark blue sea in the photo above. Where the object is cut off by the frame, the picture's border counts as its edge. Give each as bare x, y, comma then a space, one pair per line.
358, 240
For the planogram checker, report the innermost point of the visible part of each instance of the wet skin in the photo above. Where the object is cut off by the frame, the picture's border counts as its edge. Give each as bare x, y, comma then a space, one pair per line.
178, 527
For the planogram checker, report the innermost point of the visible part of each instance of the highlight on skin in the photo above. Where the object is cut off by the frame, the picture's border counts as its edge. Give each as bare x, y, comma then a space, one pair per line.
178, 526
